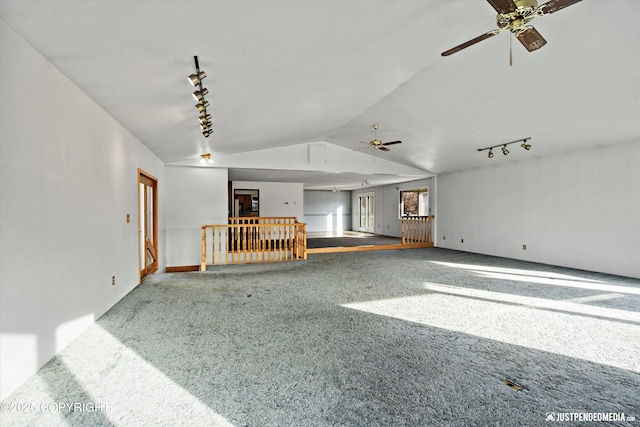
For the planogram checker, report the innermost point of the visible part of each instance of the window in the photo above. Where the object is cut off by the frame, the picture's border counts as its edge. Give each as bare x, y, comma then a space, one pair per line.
414, 202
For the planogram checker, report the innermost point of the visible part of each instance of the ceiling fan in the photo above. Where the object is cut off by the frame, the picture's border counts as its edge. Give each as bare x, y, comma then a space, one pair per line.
376, 143
515, 15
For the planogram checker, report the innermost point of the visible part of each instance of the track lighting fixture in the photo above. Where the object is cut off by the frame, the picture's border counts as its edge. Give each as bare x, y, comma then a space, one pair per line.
505, 151
203, 104
205, 159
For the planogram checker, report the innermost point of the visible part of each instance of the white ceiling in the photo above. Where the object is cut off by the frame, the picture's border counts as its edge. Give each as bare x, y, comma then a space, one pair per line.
285, 73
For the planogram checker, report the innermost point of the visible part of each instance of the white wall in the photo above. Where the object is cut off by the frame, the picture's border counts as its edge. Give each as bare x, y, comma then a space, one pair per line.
276, 198
68, 178
579, 210
387, 205
195, 196
327, 210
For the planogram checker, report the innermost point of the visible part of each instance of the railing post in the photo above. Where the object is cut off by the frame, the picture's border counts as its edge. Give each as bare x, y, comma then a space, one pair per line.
303, 241
203, 265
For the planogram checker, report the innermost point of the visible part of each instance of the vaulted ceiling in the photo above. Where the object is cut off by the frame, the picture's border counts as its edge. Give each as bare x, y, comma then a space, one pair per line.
287, 75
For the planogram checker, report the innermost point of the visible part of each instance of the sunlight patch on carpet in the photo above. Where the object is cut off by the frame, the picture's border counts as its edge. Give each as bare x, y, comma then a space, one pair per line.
568, 306
146, 391
541, 277
577, 335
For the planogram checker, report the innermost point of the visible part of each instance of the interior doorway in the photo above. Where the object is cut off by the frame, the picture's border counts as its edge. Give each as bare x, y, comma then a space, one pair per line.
147, 223
246, 202
366, 204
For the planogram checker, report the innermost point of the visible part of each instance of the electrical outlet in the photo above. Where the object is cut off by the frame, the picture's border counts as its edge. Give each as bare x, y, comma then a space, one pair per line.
524, 247
128, 218
113, 280
461, 240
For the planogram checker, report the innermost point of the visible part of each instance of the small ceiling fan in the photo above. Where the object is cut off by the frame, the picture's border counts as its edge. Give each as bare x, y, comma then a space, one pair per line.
515, 15
376, 143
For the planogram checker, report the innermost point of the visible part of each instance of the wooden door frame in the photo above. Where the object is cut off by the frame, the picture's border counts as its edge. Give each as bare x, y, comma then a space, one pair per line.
149, 181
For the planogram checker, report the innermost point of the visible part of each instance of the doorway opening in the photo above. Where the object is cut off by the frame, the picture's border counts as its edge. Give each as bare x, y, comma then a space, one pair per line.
246, 203
147, 224
366, 204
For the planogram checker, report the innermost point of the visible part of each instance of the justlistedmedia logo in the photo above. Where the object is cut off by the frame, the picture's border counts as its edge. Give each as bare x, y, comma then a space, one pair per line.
588, 416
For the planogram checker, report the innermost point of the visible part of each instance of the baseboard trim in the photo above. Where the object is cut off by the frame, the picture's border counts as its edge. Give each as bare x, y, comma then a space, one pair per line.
183, 268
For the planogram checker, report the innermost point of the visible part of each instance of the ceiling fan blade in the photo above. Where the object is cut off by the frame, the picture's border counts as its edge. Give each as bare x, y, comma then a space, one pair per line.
531, 39
471, 42
503, 6
380, 147
555, 5
392, 142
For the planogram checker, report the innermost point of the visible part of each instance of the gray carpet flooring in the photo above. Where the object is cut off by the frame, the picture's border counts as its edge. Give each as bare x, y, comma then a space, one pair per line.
415, 337
346, 241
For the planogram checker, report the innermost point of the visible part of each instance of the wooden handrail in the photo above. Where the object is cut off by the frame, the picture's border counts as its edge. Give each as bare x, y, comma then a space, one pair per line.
263, 220
255, 239
417, 229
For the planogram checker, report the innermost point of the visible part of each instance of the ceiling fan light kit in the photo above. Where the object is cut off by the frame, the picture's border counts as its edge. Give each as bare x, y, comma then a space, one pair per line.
505, 151
515, 15
198, 95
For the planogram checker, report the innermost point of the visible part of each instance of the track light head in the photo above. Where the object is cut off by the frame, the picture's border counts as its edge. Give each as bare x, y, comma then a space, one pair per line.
199, 94
504, 150
526, 146
202, 106
195, 79
204, 118
205, 125
490, 155
207, 132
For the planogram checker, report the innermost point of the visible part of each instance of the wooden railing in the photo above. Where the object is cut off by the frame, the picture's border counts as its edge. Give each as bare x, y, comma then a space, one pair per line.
416, 229
254, 239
